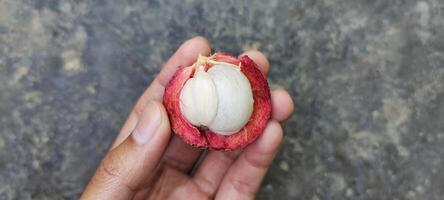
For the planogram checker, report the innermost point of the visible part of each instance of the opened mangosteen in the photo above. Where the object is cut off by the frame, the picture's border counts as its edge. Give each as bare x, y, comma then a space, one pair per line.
220, 102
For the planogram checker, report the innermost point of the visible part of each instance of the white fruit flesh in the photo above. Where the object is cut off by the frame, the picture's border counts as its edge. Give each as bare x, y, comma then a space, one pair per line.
219, 99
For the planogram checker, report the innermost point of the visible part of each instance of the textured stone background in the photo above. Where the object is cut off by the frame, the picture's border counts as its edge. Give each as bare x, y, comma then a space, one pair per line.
367, 78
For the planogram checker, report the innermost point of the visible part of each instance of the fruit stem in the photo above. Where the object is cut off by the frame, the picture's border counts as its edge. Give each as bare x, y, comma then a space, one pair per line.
208, 62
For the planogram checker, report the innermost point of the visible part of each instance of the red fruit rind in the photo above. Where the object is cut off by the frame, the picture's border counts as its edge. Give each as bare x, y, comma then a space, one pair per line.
208, 139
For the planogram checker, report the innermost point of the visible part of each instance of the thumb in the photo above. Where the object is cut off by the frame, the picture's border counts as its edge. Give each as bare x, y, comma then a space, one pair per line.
126, 168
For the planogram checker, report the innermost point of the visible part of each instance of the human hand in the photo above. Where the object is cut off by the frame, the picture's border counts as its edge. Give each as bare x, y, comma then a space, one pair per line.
146, 162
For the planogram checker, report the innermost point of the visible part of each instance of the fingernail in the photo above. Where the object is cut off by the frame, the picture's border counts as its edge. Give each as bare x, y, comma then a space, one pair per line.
148, 123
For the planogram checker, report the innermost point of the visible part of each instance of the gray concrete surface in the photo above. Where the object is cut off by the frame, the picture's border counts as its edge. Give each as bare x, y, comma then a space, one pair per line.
367, 78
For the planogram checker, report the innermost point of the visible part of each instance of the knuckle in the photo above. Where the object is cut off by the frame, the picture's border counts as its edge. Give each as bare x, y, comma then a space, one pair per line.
205, 186
242, 186
259, 162
109, 171
113, 174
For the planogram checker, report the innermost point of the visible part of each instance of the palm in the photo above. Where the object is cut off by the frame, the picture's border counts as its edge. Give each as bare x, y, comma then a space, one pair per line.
172, 182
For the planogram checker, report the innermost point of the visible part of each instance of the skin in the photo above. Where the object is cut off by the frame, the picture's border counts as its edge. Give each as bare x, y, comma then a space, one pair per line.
160, 168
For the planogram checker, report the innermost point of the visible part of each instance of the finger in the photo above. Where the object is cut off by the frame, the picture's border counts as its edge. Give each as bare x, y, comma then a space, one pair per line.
181, 155
282, 105
129, 166
212, 170
185, 55
260, 59
244, 177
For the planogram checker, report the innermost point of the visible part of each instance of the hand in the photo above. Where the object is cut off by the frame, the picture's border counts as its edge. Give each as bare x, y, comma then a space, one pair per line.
147, 162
